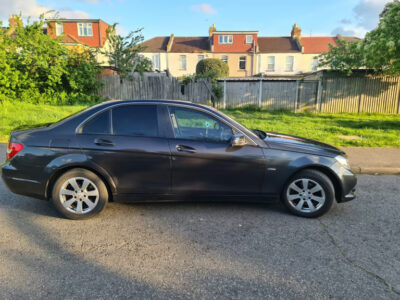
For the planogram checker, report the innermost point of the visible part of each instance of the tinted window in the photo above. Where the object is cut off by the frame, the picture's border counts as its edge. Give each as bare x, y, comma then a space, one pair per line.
98, 125
195, 125
136, 120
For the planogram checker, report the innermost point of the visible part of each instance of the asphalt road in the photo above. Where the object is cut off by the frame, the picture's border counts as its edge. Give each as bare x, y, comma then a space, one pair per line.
204, 251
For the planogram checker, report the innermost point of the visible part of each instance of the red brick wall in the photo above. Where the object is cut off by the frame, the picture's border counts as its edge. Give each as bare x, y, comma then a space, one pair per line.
238, 45
72, 29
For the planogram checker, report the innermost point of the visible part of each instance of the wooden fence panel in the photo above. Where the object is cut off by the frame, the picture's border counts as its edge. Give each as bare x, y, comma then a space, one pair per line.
277, 95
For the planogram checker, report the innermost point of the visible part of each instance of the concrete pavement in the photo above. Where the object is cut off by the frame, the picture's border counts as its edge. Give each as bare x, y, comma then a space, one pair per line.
365, 160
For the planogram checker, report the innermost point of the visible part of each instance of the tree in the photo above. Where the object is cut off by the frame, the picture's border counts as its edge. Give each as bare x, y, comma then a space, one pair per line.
123, 53
212, 68
379, 50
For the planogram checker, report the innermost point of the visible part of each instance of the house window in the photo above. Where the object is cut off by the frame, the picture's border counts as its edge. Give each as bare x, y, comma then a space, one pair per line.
289, 63
59, 29
85, 29
183, 62
271, 63
242, 63
156, 61
224, 58
249, 39
200, 57
314, 64
226, 39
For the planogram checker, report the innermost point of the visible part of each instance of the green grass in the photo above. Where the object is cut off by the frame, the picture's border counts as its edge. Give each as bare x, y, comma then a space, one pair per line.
373, 130
24, 114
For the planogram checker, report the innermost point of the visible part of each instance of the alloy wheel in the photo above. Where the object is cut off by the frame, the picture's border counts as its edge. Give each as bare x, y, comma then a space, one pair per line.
305, 195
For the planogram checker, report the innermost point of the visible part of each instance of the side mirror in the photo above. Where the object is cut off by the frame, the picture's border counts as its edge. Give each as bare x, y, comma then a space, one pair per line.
238, 140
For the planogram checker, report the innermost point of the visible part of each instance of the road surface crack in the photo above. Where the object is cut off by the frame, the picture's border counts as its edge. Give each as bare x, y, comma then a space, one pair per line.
353, 263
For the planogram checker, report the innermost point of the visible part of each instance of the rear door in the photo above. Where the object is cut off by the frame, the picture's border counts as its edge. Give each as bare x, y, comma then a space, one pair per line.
203, 160
129, 143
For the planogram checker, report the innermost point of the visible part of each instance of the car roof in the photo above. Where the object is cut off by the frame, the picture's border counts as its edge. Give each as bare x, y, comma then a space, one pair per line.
113, 102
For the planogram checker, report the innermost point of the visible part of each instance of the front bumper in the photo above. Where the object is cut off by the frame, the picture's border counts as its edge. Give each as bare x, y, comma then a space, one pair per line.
348, 182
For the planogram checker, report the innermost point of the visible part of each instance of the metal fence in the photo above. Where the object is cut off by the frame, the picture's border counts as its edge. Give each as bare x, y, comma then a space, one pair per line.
324, 92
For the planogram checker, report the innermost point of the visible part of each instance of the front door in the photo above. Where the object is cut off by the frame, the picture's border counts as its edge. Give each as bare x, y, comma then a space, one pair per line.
127, 142
203, 160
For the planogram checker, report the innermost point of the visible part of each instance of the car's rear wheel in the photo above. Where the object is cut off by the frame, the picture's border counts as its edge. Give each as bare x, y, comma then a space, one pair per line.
79, 194
309, 193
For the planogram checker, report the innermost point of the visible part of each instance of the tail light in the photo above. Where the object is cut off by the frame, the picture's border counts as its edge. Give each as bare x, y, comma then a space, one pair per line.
13, 149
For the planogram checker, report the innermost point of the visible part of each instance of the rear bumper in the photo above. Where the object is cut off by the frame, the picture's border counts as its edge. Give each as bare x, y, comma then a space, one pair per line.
20, 185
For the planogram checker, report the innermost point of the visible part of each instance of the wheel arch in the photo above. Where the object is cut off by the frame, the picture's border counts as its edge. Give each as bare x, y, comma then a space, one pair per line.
109, 183
326, 171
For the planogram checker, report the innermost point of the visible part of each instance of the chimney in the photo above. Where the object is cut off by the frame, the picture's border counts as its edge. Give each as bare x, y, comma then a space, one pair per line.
296, 32
211, 30
170, 42
15, 21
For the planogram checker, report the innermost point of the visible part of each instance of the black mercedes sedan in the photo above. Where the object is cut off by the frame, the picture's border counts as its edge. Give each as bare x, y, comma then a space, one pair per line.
153, 150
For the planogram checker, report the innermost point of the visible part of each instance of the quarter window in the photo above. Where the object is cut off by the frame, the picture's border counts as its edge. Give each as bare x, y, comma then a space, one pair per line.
85, 29
195, 125
98, 125
135, 120
242, 63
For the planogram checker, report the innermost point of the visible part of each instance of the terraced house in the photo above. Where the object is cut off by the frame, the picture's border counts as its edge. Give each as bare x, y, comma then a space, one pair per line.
246, 53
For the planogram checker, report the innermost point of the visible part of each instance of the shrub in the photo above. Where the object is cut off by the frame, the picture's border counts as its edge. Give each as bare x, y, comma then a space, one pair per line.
212, 68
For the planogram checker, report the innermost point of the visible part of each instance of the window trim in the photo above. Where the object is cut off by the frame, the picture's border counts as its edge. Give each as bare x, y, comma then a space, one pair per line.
181, 61
229, 39
59, 25
286, 64
87, 24
245, 63
158, 59
268, 69
249, 36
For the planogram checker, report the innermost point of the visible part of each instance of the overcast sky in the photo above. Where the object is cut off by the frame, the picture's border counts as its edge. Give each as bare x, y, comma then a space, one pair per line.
192, 18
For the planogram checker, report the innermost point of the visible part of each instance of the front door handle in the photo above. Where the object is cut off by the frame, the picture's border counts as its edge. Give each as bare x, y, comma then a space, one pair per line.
103, 142
183, 148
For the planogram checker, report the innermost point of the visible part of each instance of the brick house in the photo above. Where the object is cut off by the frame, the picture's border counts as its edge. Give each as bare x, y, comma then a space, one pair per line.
246, 53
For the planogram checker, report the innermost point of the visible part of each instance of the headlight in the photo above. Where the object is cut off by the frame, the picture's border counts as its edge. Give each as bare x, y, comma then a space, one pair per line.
343, 161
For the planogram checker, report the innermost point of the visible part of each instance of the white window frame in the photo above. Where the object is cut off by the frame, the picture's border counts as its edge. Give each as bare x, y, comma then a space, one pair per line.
85, 29
59, 29
225, 39
271, 62
249, 39
156, 61
182, 62
314, 64
225, 58
289, 64
200, 57
245, 62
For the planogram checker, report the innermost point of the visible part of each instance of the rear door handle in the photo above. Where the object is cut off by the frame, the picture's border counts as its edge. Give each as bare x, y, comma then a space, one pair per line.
103, 142
183, 148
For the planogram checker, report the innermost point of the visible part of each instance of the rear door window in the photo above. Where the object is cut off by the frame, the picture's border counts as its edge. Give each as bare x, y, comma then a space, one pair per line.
135, 120
98, 125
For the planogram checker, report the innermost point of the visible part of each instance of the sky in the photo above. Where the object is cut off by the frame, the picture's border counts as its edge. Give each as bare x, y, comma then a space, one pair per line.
194, 17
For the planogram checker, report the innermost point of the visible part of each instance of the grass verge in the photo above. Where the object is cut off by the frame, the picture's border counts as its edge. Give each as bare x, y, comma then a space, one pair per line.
362, 130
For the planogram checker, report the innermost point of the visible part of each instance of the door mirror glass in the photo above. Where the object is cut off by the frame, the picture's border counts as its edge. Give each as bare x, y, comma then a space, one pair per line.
238, 140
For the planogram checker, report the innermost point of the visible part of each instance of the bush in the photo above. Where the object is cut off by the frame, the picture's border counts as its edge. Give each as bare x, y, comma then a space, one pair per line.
212, 68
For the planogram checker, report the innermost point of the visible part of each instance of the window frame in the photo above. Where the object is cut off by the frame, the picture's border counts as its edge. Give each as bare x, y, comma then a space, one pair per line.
228, 37
314, 67
181, 60
211, 116
83, 29
249, 36
58, 27
245, 63
227, 58
156, 58
273, 64
292, 64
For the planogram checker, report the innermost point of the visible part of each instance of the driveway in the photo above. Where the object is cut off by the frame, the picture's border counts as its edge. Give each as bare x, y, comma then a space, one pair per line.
203, 251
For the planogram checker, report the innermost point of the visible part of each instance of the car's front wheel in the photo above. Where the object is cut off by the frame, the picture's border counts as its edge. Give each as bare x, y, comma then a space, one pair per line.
309, 193
79, 194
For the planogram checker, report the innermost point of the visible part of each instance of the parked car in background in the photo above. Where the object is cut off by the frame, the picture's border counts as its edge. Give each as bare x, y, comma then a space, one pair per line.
171, 150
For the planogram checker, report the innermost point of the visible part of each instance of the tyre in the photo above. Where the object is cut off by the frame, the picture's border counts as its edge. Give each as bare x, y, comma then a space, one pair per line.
309, 193
79, 194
